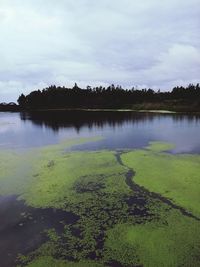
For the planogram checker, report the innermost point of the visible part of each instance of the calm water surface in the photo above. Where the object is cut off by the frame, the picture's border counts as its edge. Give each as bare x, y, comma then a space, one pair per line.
118, 129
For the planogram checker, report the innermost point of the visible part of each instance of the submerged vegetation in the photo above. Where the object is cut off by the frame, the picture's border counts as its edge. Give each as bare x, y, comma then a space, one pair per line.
51, 262
119, 222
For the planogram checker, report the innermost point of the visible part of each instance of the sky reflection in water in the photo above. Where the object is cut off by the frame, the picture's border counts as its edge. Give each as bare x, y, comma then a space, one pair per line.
119, 129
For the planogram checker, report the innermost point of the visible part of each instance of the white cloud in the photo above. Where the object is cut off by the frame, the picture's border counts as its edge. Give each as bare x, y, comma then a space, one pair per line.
179, 65
139, 42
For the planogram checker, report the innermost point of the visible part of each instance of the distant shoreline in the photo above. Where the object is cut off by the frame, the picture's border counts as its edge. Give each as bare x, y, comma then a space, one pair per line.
161, 111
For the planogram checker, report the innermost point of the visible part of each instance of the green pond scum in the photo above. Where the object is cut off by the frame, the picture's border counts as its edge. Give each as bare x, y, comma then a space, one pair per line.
133, 208
176, 177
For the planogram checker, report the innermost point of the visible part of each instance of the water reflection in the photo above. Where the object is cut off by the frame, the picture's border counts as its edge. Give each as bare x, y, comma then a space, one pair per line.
119, 129
79, 119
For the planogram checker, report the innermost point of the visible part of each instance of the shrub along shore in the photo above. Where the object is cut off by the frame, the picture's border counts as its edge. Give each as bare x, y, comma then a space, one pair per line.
180, 99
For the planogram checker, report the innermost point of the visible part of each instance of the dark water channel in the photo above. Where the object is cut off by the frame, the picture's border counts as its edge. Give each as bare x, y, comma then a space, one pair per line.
21, 226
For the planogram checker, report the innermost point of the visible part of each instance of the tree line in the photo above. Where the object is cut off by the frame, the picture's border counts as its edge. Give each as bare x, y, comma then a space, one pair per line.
56, 97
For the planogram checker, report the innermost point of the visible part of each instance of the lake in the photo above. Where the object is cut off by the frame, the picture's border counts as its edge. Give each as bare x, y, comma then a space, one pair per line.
111, 191
119, 129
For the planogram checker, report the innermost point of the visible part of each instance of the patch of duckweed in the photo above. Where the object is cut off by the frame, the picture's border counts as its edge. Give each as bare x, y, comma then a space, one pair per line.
99, 196
59, 180
117, 224
158, 146
51, 262
90, 184
176, 177
69, 143
18, 169
171, 240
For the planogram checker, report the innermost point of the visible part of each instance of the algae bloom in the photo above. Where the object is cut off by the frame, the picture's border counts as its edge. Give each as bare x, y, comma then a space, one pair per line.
131, 208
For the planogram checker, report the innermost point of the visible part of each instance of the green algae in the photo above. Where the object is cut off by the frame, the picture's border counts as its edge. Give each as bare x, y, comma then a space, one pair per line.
158, 146
91, 185
116, 224
18, 168
172, 240
175, 177
51, 262
97, 192
69, 143
57, 177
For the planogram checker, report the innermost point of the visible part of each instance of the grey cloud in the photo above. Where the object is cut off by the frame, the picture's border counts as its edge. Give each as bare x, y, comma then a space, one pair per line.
149, 43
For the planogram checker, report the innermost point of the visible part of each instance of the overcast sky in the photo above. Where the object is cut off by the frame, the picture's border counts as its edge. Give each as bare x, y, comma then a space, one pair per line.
144, 43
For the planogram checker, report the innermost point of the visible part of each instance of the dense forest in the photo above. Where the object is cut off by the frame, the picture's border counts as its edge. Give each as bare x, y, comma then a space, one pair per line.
113, 97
